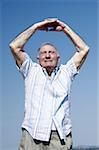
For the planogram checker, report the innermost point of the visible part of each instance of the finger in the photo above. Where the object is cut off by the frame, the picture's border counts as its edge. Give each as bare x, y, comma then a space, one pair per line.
62, 24
51, 19
59, 28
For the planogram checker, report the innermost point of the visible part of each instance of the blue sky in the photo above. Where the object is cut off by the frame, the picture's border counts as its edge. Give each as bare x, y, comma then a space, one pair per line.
82, 16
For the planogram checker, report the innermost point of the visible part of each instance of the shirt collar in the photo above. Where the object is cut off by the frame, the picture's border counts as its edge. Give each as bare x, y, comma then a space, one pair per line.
53, 73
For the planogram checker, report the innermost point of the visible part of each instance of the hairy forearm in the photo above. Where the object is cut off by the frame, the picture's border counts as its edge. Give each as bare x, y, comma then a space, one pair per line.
22, 38
75, 38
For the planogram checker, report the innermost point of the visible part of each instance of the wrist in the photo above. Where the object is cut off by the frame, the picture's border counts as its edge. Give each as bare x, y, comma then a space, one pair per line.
66, 29
35, 27
63, 27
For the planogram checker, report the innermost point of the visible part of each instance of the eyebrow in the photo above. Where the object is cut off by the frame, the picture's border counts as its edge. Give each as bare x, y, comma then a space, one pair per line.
48, 51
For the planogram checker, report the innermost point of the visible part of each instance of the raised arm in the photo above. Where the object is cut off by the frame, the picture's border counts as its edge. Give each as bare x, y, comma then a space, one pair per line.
18, 43
81, 47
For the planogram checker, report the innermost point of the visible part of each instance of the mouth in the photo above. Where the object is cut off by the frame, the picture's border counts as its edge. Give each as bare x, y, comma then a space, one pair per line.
48, 61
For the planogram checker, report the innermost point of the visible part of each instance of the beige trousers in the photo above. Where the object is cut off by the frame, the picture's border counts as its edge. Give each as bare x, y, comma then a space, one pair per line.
27, 143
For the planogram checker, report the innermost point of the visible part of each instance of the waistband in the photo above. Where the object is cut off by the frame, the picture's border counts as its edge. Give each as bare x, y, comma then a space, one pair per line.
55, 131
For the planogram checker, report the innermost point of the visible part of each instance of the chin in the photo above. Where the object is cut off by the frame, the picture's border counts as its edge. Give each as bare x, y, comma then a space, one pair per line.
48, 66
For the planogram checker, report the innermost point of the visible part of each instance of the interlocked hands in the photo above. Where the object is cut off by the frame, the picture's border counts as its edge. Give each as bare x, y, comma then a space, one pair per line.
50, 24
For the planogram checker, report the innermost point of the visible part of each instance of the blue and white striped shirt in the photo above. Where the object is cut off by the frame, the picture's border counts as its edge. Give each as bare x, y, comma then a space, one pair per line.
47, 99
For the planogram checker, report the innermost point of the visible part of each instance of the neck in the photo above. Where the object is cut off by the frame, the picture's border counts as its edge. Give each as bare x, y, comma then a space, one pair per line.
49, 71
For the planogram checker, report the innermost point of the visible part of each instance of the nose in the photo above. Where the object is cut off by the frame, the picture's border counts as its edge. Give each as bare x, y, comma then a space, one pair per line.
47, 55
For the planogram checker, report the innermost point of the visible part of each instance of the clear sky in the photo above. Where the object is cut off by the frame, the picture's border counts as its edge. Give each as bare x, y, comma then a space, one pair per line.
17, 15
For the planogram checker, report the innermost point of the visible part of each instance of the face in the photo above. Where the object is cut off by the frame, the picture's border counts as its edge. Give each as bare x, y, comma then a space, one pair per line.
48, 57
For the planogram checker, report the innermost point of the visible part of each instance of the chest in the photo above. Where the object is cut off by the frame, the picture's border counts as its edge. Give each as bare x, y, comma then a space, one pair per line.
56, 85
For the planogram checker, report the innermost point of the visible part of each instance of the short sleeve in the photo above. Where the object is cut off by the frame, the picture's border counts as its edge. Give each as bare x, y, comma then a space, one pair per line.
25, 67
71, 68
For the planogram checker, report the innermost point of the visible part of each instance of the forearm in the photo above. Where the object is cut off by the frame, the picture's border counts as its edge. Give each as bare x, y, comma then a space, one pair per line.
22, 38
75, 38
81, 47
20, 41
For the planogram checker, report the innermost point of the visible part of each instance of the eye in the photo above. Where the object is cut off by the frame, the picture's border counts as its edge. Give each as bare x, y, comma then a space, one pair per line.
44, 52
52, 52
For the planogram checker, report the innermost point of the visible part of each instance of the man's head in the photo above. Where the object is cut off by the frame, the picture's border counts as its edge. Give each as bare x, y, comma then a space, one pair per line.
48, 56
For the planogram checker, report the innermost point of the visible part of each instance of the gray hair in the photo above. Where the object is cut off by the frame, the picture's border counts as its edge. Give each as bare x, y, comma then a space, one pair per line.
46, 43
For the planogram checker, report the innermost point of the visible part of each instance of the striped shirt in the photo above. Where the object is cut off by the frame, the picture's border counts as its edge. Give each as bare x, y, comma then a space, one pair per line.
47, 99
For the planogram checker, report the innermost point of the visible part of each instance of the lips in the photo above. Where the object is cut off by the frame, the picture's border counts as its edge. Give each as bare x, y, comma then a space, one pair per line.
48, 61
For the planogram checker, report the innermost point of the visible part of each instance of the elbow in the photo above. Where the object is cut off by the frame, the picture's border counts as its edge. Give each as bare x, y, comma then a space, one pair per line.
12, 47
87, 48
85, 51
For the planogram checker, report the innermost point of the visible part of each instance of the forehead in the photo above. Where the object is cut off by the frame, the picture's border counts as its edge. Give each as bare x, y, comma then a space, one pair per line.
48, 48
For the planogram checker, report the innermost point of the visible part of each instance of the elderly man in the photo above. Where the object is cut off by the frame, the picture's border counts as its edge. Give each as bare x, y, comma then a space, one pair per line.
47, 123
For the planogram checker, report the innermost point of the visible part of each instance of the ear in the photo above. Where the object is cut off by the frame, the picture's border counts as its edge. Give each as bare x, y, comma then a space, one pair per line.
58, 57
37, 58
